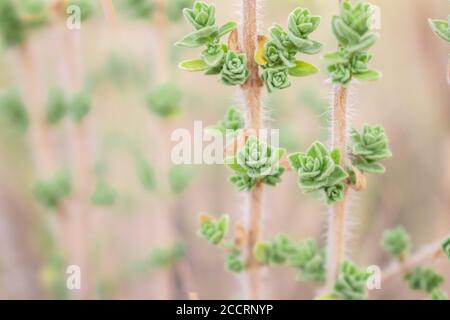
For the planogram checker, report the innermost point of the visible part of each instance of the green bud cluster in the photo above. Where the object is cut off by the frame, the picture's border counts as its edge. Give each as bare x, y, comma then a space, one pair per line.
306, 257
232, 121
352, 30
396, 242
255, 162
52, 191
369, 147
279, 54
423, 279
57, 106
234, 262
350, 283
214, 231
319, 169
164, 100
13, 109
216, 58
79, 106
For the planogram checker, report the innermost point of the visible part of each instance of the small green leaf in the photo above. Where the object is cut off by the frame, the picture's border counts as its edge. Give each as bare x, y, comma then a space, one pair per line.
441, 28
193, 65
227, 27
335, 57
336, 156
370, 75
302, 69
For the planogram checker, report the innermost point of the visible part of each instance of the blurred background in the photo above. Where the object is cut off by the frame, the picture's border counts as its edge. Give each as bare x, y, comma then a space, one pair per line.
131, 217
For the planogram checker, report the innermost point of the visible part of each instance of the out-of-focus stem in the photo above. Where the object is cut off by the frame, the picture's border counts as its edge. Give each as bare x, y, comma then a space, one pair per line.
252, 91
429, 252
337, 215
108, 11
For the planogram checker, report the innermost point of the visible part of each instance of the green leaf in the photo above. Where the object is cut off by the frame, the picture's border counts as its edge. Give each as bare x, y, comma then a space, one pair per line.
189, 41
294, 160
441, 28
226, 28
313, 48
302, 69
336, 155
335, 57
193, 65
370, 75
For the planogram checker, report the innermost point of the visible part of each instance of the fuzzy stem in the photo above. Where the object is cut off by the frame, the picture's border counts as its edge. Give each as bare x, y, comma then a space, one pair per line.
252, 91
108, 11
429, 252
337, 216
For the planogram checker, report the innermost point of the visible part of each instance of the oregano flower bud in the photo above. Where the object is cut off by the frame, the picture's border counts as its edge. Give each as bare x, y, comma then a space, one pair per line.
276, 78
13, 109
277, 56
370, 147
441, 28
234, 71
214, 231
234, 261
310, 260
214, 54
201, 15
423, 279
300, 25
396, 241
334, 193
318, 168
164, 100
11, 26
446, 247
350, 283
56, 105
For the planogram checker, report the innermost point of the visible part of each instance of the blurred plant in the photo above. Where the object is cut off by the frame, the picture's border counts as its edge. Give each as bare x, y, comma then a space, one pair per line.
215, 232
52, 191
352, 30
396, 242
146, 174
79, 106
11, 26
423, 279
179, 178
13, 109
175, 7
257, 162
104, 194
138, 9
57, 105
319, 169
446, 247
86, 8
164, 100
277, 55
350, 283
232, 121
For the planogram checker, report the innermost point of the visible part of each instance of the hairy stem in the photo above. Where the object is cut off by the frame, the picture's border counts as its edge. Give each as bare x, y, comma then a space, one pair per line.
252, 91
337, 216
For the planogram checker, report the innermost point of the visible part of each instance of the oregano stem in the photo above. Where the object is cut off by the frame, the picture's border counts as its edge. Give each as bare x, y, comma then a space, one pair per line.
252, 90
337, 215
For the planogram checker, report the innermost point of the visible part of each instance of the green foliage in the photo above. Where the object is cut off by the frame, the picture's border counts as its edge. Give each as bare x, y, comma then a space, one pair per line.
166, 256
216, 58
214, 231
274, 251
396, 241
255, 162
57, 105
446, 247
104, 194
231, 122
138, 9
370, 147
13, 109
352, 30
79, 106
437, 294
51, 191
234, 70
319, 169
279, 52
175, 7
52, 275
309, 259
164, 100
179, 178
423, 279
146, 174
36, 12
441, 28
234, 261
11, 26
351, 282
86, 8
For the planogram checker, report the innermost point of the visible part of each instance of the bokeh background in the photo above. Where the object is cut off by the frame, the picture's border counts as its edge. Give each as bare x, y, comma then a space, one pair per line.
144, 244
